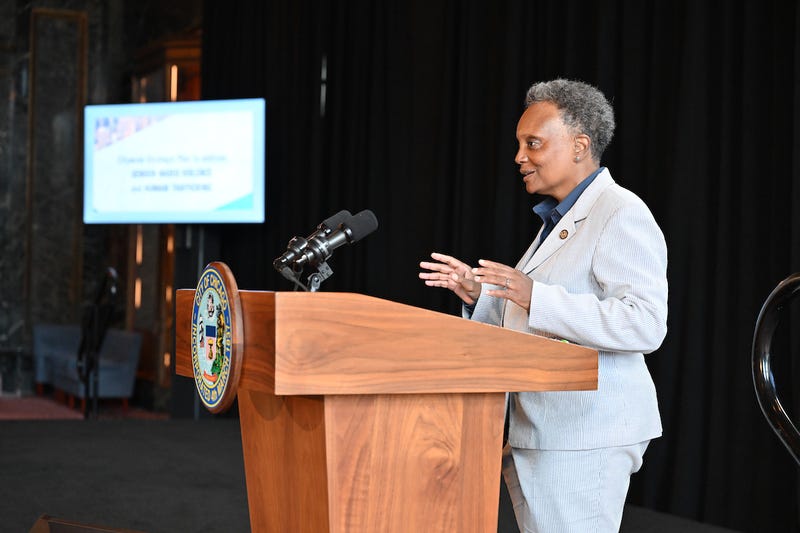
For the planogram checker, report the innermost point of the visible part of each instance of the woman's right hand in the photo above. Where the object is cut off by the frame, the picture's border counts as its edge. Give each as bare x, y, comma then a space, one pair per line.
450, 273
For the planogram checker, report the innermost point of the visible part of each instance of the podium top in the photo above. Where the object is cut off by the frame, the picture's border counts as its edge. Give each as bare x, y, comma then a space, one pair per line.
299, 343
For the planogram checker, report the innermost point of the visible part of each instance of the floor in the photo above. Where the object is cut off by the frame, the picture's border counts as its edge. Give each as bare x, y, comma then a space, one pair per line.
48, 407
159, 476
20, 400
35, 408
65, 469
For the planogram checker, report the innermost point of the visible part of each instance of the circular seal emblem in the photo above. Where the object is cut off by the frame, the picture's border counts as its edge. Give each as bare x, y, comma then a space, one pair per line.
216, 337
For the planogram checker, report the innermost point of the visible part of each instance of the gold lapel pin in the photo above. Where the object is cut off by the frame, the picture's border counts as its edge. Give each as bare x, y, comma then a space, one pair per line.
563, 235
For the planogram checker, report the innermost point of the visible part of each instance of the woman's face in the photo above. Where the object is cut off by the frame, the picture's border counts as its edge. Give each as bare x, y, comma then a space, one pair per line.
546, 153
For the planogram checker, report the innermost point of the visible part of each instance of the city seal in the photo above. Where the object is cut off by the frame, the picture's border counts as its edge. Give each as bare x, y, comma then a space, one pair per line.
216, 337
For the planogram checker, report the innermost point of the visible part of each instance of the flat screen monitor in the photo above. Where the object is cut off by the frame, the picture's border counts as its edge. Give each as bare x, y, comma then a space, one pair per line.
174, 162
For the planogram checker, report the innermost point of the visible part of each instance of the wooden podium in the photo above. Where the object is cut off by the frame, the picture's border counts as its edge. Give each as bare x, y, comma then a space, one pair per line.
364, 415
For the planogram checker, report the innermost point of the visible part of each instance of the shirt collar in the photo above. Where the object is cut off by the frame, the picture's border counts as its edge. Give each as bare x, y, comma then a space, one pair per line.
549, 210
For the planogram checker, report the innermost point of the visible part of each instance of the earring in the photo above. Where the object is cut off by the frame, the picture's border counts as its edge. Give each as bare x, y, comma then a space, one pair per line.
577, 159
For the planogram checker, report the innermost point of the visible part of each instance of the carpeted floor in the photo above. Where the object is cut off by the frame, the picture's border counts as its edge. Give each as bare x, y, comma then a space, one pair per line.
48, 408
137, 470
158, 476
35, 408
147, 475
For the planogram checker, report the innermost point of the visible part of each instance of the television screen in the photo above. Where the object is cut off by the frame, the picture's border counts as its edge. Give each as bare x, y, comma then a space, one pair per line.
175, 162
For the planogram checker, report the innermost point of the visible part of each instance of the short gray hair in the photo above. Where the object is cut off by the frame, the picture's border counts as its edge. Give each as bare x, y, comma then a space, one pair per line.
583, 108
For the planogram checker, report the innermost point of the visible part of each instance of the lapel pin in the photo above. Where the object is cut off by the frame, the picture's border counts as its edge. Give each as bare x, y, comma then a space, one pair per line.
563, 235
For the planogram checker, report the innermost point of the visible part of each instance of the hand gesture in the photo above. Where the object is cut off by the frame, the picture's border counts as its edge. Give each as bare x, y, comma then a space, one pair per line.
515, 285
450, 273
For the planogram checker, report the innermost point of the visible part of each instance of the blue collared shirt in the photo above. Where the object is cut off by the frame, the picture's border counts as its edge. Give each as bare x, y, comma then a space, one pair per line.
550, 212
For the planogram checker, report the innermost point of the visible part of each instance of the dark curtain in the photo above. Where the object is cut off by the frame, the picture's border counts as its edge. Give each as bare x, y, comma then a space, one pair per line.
409, 108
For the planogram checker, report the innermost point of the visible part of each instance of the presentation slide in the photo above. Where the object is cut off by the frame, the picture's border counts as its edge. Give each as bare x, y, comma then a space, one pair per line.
181, 162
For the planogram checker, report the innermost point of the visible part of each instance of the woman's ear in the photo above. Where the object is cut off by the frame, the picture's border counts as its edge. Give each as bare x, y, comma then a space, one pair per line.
582, 144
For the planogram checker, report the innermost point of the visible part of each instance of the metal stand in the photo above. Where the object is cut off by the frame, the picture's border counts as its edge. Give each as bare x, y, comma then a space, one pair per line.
763, 380
96, 319
315, 279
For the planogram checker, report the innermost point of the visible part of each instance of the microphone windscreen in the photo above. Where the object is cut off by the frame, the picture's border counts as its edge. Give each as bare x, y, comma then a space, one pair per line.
333, 221
362, 224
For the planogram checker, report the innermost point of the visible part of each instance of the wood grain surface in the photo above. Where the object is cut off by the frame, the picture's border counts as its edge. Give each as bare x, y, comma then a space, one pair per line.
428, 462
364, 415
342, 343
283, 442
336, 343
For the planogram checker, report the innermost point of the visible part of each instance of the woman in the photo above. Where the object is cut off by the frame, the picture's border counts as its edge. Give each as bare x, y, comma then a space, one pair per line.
595, 275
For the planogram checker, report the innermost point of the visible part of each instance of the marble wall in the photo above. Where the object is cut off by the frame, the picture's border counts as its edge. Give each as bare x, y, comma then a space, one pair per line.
51, 51
58, 58
55, 57
13, 133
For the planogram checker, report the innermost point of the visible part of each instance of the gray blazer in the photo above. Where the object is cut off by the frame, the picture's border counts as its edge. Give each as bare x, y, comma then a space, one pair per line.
599, 281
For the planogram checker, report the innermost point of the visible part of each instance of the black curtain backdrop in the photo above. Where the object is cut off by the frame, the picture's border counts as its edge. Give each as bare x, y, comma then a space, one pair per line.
421, 100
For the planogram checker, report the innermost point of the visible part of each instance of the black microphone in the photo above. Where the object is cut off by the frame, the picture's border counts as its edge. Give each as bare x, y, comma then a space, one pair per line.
108, 284
320, 247
297, 245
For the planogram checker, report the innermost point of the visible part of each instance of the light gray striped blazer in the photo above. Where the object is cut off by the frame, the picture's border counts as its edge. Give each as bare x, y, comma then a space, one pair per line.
599, 281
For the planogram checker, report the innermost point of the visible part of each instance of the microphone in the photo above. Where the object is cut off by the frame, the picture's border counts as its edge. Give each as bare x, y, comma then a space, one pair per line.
108, 285
320, 247
297, 245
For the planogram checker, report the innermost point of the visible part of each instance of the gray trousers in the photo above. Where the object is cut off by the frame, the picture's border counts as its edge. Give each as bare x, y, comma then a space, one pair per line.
566, 491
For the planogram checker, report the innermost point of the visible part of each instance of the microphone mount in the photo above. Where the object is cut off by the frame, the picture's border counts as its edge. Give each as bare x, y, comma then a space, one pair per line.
315, 279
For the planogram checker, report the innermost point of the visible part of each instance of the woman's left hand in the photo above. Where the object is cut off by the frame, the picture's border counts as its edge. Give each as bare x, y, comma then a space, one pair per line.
515, 285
